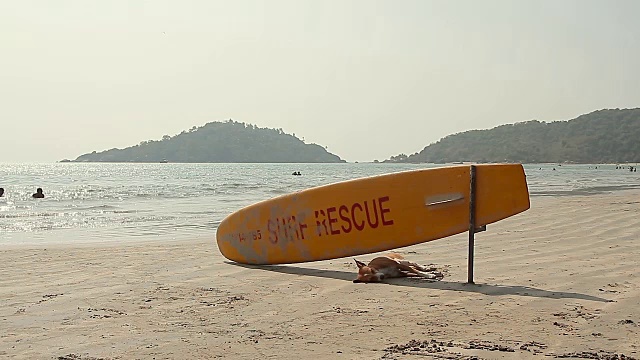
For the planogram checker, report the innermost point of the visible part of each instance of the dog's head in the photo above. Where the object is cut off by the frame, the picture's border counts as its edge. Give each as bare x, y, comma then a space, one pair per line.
367, 274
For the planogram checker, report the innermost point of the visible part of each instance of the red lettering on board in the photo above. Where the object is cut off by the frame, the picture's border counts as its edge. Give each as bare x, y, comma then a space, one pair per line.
284, 228
344, 216
273, 231
332, 220
383, 211
323, 223
375, 212
329, 221
293, 230
302, 226
353, 216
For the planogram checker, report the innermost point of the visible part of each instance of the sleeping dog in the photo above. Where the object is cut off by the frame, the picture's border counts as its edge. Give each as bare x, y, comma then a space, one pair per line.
392, 266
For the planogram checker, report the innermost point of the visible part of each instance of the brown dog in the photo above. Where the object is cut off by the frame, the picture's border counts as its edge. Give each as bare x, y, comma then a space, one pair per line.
392, 266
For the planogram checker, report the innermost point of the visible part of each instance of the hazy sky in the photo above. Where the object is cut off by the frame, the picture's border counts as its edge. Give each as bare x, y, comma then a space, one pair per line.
369, 79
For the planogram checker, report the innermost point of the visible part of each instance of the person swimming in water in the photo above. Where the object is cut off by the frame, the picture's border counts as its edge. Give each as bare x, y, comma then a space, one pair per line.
38, 194
1, 192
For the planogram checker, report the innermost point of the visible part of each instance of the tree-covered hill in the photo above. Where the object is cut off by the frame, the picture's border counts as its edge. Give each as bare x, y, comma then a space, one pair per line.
604, 136
228, 141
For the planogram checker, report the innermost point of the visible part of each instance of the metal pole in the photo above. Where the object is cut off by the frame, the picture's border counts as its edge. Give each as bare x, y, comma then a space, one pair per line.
472, 220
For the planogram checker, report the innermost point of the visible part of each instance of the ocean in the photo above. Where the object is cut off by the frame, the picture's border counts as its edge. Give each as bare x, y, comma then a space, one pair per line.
107, 202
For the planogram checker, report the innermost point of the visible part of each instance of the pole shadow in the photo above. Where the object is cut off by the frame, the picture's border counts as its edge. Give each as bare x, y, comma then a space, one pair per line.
485, 289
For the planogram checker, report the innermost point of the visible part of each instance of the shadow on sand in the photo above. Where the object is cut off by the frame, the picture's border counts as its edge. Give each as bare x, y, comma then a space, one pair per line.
486, 289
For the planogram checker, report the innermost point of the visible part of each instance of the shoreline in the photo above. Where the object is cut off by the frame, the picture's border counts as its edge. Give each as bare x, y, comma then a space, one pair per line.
131, 205
557, 279
210, 236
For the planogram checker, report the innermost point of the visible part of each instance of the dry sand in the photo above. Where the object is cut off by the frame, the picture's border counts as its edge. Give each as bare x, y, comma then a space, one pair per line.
562, 278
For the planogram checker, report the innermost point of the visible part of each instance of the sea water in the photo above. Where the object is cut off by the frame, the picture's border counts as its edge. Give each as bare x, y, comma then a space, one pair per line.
106, 202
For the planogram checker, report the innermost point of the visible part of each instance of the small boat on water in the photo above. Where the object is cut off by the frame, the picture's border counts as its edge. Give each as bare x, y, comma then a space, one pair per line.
164, 161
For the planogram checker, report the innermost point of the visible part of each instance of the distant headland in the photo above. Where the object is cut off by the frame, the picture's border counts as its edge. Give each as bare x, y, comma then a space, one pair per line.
603, 136
219, 142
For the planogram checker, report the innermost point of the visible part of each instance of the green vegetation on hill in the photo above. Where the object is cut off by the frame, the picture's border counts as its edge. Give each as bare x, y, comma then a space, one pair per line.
604, 136
222, 142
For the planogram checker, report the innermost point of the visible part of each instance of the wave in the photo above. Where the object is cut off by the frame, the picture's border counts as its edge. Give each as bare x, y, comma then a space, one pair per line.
30, 214
95, 207
279, 191
587, 190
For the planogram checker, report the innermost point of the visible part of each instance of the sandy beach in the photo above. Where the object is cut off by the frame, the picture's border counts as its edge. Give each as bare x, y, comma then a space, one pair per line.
561, 279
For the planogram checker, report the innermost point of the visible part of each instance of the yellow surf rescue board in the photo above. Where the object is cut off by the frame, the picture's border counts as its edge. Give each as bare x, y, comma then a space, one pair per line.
371, 214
